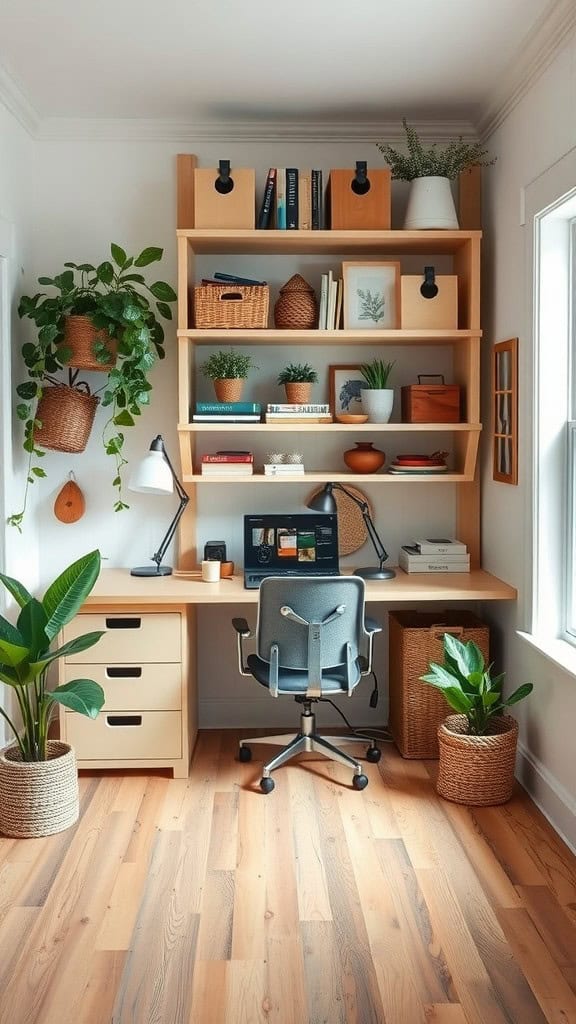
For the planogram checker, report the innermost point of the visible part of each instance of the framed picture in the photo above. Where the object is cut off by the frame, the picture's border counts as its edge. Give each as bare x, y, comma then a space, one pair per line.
346, 383
371, 295
505, 411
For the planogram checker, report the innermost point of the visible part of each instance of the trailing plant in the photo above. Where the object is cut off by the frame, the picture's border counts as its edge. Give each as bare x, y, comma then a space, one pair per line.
123, 306
26, 654
298, 373
376, 373
419, 162
469, 686
227, 365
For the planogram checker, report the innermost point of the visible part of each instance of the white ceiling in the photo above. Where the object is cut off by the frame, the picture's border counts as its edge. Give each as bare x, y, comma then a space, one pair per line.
264, 61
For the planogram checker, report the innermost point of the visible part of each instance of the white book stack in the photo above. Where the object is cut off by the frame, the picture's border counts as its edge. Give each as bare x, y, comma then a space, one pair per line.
283, 469
434, 555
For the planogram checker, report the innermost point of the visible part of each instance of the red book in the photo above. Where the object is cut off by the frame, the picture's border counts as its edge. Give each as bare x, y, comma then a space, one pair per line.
227, 458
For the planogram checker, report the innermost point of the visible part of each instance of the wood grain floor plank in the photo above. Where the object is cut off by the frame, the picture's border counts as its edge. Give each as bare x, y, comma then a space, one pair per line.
282, 911
148, 812
492, 876
555, 927
410, 787
247, 996
445, 1013
97, 1001
216, 915
122, 908
209, 993
322, 968
285, 980
311, 885
512, 856
544, 975
14, 931
223, 848
545, 847
248, 931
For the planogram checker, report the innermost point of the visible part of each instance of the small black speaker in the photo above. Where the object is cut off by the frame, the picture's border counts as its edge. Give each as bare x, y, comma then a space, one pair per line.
215, 551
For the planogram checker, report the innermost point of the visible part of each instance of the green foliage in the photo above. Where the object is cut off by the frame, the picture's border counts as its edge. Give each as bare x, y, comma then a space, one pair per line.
376, 373
120, 303
421, 163
298, 373
26, 654
227, 365
469, 686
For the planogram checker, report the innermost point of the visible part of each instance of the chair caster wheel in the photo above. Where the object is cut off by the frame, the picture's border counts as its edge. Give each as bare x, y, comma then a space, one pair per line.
244, 754
267, 785
373, 754
360, 781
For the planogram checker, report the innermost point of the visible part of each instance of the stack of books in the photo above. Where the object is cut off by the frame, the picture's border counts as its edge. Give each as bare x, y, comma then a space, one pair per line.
330, 303
227, 412
228, 463
292, 412
283, 469
435, 554
293, 200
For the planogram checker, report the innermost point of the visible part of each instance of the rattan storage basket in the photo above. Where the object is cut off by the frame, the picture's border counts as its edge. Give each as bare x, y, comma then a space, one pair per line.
415, 639
38, 798
231, 306
477, 770
66, 415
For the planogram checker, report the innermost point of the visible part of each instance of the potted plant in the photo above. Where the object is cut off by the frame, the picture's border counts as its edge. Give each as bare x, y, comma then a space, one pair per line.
377, 398
38, 779
478, 744
97, 318
298, 379
228, 370
430, 203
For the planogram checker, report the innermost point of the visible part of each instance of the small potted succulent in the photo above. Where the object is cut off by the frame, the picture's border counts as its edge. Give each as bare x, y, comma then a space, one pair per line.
298, 379
478, 743
228, 370
430, 204
377, 398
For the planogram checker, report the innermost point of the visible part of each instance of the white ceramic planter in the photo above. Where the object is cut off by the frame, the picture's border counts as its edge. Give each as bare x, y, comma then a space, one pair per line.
430, 205
377, 403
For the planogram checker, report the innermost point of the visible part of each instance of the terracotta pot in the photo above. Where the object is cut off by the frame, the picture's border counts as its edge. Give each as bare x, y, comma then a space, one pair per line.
38, 798
364, 458
296, 308
229, 390
80, 336
298, 391
477, 770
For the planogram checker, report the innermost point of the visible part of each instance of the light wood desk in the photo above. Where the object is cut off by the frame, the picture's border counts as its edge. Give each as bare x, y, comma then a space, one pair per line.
146, 661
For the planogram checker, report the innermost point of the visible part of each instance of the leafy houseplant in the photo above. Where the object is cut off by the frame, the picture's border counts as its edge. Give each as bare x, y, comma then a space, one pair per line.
226, 367
420, 162
119, 304
298, 379
377, 397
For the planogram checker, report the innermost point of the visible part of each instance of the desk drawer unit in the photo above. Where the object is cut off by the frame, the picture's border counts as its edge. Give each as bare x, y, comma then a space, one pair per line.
142, 663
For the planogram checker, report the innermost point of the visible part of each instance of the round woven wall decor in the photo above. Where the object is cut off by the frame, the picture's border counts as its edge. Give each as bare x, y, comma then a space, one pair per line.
352, 532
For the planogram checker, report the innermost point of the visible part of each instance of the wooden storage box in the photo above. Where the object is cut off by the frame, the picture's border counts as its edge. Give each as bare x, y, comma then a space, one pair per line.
233, 209
439, 312
430, 403
231, 306
416, 639
352, 211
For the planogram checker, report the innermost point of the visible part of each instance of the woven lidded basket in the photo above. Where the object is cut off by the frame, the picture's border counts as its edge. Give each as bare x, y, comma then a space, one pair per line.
66, 415
477, 770
416, 639
38, 798
296, 307
231, 306
80, 336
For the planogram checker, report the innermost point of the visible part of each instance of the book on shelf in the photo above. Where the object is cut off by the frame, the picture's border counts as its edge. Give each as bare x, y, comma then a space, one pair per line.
293, 417
265, 213
338, 313
227, 469
298, 407
283, 469
291, 198
223, 408
281, 198
228, 458
440, 546
317, 201
228, 417
221, 278
305, 201
323, 308
411, 561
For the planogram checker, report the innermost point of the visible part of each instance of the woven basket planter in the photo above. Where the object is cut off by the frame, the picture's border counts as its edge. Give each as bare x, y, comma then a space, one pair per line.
38, 798
80, 336
477, 770
229, 389
299, 392
66, 415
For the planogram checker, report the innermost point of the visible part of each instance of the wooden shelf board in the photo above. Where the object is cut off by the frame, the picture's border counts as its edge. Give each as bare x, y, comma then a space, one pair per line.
270, 336
334, 428
223, 240
324, 477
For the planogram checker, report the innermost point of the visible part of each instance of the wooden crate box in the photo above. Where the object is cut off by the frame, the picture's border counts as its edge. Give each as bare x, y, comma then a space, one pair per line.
368, 211
234, 209
439, 312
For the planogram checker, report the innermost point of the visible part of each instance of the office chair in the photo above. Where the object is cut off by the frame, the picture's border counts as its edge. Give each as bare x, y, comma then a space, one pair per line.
312, 639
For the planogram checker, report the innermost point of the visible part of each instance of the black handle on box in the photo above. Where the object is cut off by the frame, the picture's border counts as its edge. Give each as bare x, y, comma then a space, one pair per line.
429, 288
360, 183
224, 183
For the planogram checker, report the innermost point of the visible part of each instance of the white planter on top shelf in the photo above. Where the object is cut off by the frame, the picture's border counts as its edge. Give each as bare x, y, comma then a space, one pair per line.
377, 403
430, 205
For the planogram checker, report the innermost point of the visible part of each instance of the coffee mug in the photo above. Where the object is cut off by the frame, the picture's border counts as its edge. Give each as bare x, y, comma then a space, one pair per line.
210, 571
227, 570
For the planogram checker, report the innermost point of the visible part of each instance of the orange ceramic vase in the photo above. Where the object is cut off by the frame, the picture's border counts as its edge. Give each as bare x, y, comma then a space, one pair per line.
364, 458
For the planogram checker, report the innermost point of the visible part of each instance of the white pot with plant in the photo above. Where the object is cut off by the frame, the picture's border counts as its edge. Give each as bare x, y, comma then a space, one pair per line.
228, 370
377, 398
478, 743
298, 379
430, 203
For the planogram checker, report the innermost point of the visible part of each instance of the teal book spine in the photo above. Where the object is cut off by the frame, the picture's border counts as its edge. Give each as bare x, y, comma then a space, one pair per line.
224, 407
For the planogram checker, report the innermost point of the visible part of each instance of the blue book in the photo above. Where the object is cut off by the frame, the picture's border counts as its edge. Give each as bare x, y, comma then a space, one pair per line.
234, 279
228, 407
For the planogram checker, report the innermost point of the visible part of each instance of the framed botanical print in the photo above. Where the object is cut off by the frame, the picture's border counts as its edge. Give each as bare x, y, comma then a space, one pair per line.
505, 411
371, 295
345, 389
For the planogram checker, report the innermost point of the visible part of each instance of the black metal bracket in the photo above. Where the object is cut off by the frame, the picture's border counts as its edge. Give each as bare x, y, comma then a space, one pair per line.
429, 288
224, 183
360, 184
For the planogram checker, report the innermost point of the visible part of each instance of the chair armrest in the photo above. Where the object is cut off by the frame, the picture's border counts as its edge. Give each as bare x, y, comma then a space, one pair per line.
241, 627
371, 626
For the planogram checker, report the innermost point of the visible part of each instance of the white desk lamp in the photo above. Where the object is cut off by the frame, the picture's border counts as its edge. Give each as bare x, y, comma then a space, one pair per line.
155, 475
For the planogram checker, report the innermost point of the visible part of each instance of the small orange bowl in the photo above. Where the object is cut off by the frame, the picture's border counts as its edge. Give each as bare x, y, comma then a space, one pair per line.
349, 417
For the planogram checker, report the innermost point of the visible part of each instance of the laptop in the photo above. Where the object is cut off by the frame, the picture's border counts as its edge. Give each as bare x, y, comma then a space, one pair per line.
289, 545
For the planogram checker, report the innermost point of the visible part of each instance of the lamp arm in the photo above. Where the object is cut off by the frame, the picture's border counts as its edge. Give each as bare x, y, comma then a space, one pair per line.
379, 548
159, 555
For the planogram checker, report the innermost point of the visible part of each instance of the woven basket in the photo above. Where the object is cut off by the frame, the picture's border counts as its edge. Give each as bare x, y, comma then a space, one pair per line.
66, 415
231, 306
38, 798
416, 639
229, 389
80, 336
299, 392
296, 307
477, 770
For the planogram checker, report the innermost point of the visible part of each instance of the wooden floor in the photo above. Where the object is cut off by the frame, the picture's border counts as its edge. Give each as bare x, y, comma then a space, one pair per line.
204, 901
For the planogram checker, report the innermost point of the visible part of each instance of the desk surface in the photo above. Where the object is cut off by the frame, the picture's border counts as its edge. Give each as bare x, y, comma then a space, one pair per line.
117, 586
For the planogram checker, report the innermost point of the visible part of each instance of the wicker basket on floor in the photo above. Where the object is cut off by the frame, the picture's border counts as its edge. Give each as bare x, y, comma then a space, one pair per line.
38, 798
66, 415
231, 306
416, 639
477, 770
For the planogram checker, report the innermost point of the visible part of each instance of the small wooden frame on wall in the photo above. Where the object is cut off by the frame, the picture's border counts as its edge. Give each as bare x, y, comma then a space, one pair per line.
505, 411
371, 295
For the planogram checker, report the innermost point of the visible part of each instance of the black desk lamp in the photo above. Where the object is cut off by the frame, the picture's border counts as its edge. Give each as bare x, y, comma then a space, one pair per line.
324, 501
155, 475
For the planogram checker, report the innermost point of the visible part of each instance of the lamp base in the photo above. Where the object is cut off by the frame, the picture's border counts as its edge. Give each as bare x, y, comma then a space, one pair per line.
375, 573
151, 570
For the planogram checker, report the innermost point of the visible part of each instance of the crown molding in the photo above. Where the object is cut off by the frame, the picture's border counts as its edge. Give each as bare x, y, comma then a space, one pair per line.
15, 102
538, 51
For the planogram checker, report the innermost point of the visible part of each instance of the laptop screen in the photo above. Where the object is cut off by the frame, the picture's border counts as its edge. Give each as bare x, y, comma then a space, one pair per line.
278, 544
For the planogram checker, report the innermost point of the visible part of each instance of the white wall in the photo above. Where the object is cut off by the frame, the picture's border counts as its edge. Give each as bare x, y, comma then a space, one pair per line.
537, 133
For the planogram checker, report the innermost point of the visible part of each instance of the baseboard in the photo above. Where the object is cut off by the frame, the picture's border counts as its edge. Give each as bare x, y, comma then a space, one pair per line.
549, 795
270, 713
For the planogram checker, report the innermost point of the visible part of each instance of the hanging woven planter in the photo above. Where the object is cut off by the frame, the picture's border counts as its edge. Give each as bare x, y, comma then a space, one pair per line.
477, 770
66, 415
38, 798
81, 337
